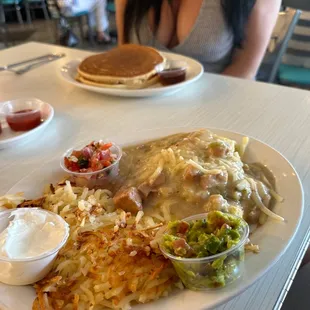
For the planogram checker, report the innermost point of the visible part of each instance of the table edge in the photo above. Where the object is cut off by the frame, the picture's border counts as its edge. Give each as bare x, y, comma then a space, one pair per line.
299, 257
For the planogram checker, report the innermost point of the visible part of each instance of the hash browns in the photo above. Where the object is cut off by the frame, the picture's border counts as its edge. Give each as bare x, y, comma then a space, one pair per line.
111, 259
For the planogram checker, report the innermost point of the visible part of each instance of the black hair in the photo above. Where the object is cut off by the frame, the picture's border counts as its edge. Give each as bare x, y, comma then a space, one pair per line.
236, 12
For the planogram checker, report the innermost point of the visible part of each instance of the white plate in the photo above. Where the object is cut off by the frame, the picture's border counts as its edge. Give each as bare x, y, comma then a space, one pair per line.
9, 137
194, 72
273, 238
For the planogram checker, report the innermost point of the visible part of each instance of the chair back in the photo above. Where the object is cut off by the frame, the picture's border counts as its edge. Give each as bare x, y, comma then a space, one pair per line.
53, 8
303, 5
298, 50
2, 15
10, 2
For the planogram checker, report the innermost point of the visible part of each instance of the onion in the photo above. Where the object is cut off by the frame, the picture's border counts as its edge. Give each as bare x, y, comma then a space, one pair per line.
258, 201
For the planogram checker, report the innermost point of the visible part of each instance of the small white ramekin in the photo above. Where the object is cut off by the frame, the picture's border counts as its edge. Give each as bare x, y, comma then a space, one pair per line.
29, 270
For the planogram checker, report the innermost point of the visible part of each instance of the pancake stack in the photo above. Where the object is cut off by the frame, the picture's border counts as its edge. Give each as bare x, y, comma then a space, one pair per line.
129, 66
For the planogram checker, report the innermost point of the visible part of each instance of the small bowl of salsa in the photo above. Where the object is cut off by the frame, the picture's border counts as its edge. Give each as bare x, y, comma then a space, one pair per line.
206, 250
92, 165
22, 114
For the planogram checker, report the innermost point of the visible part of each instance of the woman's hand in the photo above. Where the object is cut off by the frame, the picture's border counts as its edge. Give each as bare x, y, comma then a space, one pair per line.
246, 61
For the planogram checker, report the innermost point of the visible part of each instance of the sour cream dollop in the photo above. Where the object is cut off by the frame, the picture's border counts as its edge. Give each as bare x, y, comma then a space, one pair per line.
31, 233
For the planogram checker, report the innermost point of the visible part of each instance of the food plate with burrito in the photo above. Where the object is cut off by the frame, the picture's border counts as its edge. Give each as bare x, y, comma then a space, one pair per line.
189, 221
133, 71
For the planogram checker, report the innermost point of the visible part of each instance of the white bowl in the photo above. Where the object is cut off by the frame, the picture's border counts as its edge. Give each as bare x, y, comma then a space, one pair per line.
29, 270
10, 138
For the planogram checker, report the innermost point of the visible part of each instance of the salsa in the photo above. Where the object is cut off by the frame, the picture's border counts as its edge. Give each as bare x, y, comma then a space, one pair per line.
24, 120
93, 157
203, 238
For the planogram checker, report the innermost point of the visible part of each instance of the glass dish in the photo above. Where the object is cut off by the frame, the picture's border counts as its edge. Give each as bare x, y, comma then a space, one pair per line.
213, 271
29, 270
97, 178
173, 72
22, 114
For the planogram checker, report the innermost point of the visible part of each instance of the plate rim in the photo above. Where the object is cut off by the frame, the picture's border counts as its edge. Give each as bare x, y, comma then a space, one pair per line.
263, 271
142, 92
220, 131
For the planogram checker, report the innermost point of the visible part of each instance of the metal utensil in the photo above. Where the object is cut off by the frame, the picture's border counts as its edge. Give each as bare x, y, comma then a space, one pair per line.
33, 61
36, 64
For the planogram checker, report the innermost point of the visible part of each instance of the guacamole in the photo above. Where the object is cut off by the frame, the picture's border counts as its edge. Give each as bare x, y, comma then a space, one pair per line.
202, 238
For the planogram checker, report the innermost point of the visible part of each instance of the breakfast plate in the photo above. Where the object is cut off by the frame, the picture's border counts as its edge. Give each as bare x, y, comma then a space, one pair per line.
194, 72
9, 138
273, 237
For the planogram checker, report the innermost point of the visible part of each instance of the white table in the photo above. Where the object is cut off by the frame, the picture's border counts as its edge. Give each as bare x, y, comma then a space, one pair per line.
279, 116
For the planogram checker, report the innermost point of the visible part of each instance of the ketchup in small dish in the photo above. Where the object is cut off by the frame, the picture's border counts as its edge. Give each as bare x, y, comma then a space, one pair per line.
22, 115
174, 73
24, 120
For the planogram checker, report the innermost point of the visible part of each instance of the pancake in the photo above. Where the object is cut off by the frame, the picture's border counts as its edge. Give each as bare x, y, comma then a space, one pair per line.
130, 66
151, 81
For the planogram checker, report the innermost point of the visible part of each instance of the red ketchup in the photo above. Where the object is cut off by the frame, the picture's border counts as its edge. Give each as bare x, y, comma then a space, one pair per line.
24, 119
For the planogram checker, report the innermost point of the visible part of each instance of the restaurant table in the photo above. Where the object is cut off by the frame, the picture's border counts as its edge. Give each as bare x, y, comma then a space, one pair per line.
279, 116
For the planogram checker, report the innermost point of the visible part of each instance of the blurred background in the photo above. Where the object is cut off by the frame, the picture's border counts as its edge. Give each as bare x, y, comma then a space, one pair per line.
287, 59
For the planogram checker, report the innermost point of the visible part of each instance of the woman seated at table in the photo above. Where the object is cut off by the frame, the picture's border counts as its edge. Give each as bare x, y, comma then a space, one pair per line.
226, 36
97, 13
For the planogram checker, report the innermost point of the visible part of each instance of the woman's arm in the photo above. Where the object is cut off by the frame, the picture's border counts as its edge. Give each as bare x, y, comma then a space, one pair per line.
246, 61
120, 6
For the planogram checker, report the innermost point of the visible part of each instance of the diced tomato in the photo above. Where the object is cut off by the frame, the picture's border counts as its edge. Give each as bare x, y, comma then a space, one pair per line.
93, 157
76, 153
106, 146
94, 162
66, 162
179, 243
70, 165
183, 227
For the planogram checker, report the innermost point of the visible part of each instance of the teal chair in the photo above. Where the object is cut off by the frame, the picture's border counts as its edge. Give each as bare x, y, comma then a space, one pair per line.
285, 73
295, 70
31, 5
111, 7
292, 75
13, 5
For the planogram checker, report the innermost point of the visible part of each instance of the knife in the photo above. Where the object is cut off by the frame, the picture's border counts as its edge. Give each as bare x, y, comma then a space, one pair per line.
37, 59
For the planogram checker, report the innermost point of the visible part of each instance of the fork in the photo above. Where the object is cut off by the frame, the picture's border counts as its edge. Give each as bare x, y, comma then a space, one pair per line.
35, 65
